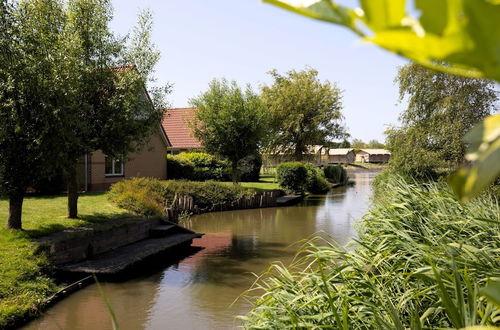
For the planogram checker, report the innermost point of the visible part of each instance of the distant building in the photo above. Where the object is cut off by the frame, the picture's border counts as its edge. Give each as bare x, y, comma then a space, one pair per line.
373, 156
175, 123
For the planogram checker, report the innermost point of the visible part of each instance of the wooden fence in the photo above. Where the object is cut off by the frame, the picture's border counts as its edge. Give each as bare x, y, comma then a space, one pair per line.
185, 204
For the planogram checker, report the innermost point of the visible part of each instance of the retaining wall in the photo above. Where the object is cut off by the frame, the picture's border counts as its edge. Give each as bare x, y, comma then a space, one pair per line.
77, 244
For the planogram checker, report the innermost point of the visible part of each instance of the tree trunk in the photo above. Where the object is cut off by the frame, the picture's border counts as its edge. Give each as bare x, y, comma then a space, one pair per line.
298, 154
72, 194
15, 211
235, 172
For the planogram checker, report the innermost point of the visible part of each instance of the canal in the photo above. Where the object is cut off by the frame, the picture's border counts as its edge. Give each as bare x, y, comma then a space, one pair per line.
201, 290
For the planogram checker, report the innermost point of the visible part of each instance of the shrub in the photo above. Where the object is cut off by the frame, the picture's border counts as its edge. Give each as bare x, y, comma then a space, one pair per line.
205, 166
143, 196
148, 197
204, 194
292, 177
336, 174
420, 262
250, 168
179, 168
316, 182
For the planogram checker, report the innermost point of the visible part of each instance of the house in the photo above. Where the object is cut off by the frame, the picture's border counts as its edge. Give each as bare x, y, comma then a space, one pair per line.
100, 171
373, 156
341, 156
176, 125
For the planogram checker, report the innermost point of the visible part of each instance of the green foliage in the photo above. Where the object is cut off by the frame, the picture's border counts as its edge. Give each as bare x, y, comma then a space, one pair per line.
358, 144
179, 168
441, 109
33, 95
375, 144
304, 111
336, 174
143, 196
316, 182
197, 166
206, 166
150, 196
250, 168
230, 122
292, 177
24, 278
484, 151
422, 261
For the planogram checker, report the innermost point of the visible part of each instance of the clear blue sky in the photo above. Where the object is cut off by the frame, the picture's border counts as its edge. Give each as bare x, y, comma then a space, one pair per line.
243, 39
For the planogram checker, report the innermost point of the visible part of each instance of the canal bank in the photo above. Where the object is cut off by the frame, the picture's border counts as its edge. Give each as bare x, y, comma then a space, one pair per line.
197, 292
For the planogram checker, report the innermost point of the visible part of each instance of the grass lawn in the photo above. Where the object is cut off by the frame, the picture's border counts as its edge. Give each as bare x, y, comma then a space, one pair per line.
47, 214
25, 279
265, 183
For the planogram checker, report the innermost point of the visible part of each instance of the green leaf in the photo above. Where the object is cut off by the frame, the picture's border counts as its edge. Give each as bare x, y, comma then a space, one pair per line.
492, 291
484, 140
383, 14
324, 10
434, 17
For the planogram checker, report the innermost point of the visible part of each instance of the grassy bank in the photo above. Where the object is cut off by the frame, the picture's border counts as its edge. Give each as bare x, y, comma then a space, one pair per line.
265, 183
421, 262
25, 274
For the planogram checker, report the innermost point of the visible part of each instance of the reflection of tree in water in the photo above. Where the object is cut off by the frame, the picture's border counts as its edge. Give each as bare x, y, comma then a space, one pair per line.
258, 237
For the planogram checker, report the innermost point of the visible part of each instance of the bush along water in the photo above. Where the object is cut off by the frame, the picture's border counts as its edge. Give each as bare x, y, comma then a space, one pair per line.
316, 182
336, 174
297, 178
292, 177
422, 261
149, 197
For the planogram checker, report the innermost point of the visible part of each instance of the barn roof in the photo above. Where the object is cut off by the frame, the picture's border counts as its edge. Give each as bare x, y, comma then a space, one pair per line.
339, 151
175, 123
376, 151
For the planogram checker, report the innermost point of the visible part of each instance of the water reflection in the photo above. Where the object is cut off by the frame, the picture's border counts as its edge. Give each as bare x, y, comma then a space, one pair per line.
198, 292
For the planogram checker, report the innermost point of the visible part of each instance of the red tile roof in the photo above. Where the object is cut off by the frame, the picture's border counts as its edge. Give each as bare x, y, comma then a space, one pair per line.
176, 127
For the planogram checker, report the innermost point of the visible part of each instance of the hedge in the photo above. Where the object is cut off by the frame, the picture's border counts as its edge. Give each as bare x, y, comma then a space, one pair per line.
148, 197
200, 166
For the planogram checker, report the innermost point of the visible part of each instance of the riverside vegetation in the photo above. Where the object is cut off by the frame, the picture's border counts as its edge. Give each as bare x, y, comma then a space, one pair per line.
422, 261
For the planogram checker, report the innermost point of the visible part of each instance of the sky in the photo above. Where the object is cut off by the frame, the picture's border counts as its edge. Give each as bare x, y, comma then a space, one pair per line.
243, 39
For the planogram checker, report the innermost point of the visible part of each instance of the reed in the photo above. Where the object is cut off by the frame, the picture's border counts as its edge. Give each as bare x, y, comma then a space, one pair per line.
422, 261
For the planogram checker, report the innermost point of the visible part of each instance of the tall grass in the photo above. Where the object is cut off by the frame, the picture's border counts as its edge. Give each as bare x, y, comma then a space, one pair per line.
420, 262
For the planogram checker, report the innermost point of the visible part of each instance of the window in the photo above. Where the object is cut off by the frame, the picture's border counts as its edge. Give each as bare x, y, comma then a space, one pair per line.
113, 166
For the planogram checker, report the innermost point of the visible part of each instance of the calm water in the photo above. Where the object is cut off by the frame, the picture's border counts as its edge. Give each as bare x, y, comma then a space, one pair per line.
198, 292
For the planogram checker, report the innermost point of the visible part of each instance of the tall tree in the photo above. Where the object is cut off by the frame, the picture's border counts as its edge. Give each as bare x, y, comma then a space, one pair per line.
114, 111
358, 144
375, 144
230, 122
441, 109
304, 111
32, 97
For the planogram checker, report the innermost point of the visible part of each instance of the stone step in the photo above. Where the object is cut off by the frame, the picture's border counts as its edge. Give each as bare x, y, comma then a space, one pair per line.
163, 230
116, 261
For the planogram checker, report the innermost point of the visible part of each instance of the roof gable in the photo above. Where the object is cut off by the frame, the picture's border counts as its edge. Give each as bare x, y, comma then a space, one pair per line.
175, 123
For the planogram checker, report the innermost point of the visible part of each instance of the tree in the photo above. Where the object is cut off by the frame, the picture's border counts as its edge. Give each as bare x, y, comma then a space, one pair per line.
303, 110
441, 109
375, 144
229, 122
32, 97
114, 111
358, 144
